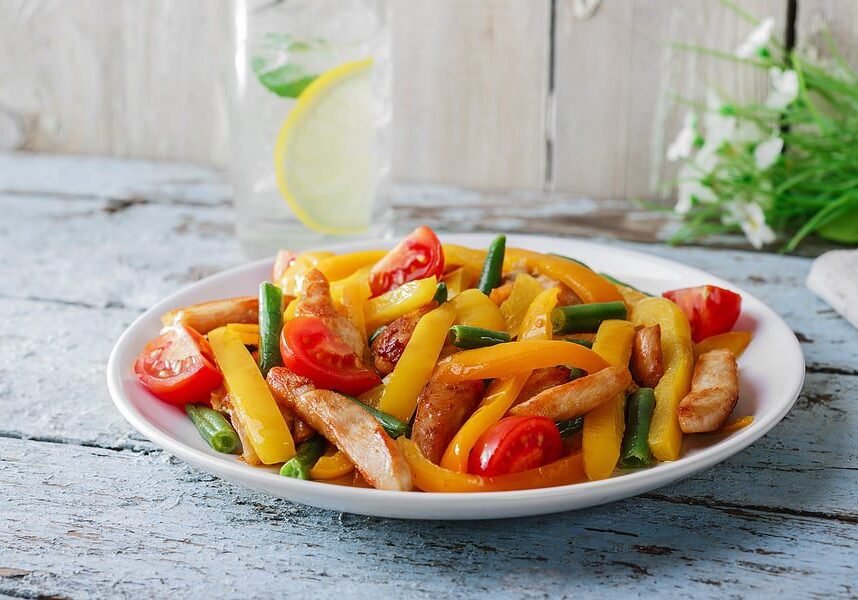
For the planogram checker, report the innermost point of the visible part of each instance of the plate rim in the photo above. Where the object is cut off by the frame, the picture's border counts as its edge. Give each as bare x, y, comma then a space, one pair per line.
445, 505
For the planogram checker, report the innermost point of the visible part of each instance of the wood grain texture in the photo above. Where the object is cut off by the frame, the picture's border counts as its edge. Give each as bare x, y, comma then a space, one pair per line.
614, 76
839, 17
115, 516
471, 78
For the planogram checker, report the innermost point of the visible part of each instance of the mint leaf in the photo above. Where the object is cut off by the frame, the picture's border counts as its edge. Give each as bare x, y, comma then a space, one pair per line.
276, 68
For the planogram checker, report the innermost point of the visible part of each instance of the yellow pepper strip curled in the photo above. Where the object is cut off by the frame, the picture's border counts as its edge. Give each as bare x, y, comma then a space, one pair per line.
331, 467
588, 285
383, 309
414, 368
355, 294
505, 360
292, 280
267, 430
459, 280
474, 309
665, 436
734, 341
499, 397
430, 477
247, 332
344, 265
455, 255
524, 290
536, 324
604, 425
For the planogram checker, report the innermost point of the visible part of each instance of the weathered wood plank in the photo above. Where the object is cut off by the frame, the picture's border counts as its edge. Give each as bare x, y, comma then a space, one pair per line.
615, 72
155, 526
839, 17
470, 108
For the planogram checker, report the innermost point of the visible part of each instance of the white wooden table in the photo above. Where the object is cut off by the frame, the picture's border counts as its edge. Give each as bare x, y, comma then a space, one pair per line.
88, 508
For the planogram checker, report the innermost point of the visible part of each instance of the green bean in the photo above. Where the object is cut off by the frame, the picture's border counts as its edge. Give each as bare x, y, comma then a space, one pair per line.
635, 452
298, 467
270, 325
585, 343
214, 428
586, 318
616, 281
490, 277
393, 426
376, 333
440, 293
570, 427
464, 336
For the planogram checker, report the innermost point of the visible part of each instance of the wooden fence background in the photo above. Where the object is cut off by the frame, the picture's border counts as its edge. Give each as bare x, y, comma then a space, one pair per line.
490, 94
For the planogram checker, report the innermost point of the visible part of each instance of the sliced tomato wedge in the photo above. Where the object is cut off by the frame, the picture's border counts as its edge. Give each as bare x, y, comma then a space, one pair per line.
178, 367
418, 256
710, 309
515, 444
310, 349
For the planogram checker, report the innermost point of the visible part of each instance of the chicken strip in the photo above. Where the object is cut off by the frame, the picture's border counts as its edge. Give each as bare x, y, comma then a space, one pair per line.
577, 397
317, 302
349, 427
211, 315
441, 410
541, 380
388, 346
223, 403
646, 364
714, 393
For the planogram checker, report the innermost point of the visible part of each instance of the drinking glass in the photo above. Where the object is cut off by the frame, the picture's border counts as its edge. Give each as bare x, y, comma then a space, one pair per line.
310, 122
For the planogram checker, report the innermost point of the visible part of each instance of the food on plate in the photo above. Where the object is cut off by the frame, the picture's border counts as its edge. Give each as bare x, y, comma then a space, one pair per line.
440, 368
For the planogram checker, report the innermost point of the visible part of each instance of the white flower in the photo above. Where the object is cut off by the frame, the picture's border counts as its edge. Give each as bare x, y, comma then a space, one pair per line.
785, 84
684, 142
757, 40
750, 218
719, 128
689, 189
767, 152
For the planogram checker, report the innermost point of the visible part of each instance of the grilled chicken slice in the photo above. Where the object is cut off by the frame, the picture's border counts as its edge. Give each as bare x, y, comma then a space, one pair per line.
223, 403
541, 380
714, 393
317, 302
577, 397
441, 410
646, 364
349, 427
211, 315
388, 346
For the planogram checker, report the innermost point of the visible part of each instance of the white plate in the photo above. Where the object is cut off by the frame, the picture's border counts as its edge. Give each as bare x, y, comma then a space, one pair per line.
772, 373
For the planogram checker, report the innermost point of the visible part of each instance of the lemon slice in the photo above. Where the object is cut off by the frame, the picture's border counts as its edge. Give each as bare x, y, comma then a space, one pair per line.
324, 152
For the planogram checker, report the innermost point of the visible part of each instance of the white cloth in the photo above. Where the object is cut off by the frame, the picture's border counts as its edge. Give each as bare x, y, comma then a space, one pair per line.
834, 278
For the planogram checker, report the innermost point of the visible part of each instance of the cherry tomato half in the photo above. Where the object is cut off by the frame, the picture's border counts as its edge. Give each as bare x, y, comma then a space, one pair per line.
515, 444
418, 256
178, 367
310, 349
710, 310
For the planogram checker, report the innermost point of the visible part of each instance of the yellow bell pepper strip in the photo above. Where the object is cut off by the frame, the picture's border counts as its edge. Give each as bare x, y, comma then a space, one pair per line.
247, 332
537, 321
262, 420
474, 309
604, 425
358, 277
505, 360
344, 265
414, 368
734, 341
391, 305
455, 255
289, 313
372, 397
459, 280
430, 477
499, 397
355, 294
734, 425
331, 467
665, 436
524, 289
292, 280
588, 285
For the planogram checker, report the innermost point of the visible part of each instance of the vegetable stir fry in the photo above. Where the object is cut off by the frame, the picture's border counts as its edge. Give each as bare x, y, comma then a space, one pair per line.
442, 368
